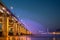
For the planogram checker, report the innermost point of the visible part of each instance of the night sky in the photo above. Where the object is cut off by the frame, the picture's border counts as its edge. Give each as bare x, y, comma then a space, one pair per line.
37, 15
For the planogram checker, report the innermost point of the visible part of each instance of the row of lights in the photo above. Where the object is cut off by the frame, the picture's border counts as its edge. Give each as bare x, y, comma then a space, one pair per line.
1, 10
4, 9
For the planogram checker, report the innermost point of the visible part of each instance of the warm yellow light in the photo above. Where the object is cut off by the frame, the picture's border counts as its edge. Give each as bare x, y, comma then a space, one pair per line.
28, 38
25, 38
3, 8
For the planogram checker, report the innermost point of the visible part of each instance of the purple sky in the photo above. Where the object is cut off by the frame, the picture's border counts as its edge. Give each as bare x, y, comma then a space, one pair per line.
33, 26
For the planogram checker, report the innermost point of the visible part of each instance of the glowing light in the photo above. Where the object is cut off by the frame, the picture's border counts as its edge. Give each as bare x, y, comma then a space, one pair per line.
25, 38
11, 7
1, 10
14, 18
7, 12
18, 16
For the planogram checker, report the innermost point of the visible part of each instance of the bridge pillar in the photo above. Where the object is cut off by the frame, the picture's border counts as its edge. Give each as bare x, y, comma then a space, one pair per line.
5, 27
15, 29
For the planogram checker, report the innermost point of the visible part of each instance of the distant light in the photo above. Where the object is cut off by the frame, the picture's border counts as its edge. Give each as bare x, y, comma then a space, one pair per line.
40, 31
53, 32
1, 10
18, 16
11, 7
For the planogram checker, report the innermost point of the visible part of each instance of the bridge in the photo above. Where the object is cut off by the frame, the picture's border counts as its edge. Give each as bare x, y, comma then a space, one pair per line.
12, 29
10, 25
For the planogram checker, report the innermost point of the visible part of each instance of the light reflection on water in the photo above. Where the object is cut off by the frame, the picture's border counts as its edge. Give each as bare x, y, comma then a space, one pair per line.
37, 38
25, 38
32, 38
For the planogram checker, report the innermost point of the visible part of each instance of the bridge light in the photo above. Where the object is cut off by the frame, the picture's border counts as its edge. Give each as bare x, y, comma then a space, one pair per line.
8, 12
11, 7
1, 10
18, 16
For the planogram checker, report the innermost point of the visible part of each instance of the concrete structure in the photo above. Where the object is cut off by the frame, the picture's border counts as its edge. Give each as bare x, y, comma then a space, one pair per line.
10, 27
